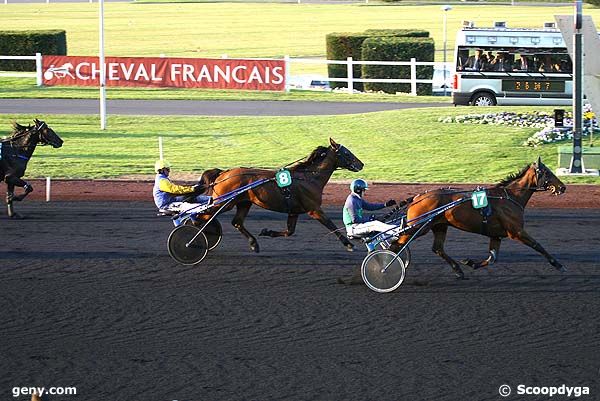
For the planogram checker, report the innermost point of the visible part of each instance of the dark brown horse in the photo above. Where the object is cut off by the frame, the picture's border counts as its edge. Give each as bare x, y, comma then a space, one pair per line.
507, 199
304, 195
15, 153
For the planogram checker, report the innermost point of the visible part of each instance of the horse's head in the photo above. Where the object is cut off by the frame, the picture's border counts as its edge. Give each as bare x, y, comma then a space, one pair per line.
545, 180
47, 136
345, 158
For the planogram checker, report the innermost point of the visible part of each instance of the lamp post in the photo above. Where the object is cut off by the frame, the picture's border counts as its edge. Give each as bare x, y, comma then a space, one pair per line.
102, 69
445, 9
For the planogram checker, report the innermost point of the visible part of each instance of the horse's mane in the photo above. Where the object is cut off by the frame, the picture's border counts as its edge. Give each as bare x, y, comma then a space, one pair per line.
512, 177
315, 155
18, 128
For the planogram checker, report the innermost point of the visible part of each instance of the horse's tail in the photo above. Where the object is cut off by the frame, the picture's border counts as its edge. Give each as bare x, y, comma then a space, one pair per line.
209, 177
406, 202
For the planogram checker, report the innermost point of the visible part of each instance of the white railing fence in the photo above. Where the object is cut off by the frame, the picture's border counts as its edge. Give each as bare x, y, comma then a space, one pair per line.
38, 68
349, 62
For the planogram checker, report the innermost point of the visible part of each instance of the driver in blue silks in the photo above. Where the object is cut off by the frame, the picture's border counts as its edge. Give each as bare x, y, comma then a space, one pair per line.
357, 225
173, 197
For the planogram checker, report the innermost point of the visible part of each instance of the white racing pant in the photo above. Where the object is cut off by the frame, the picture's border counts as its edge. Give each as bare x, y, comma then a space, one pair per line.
185, 206
375, 226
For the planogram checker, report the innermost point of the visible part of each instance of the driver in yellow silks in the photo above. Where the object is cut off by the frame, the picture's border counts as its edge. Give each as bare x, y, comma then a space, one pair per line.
173, 197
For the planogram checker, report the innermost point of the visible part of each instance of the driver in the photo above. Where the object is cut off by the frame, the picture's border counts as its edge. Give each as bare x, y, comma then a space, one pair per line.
173, 197
356, 224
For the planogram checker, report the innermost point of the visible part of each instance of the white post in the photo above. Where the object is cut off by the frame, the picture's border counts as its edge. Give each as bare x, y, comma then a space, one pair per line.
445, 9
286, 59
160, 148
102, 70
224, 56
350, 75
47, 189
413, 76
38, 69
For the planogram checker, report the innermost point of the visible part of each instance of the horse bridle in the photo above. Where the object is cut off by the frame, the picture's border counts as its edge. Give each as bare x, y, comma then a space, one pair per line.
343, 154
37, 128
540, 176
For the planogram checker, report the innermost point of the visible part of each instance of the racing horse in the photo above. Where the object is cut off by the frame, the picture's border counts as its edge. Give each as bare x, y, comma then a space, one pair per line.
15, 153
304, 195
507, 199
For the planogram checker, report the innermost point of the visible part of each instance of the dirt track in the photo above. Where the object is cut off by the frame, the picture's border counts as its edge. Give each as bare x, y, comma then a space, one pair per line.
91, 299
577, 196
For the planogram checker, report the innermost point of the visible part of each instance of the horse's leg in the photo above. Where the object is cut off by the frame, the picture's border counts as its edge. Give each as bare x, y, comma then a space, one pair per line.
238, 222
10, 194
494, 250
15, 181
319, 215
291, 228
439, 237
524, 237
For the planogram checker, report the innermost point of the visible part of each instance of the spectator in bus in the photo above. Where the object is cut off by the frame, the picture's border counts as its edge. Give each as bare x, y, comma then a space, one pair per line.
523, 64
463, 56
546, 65
490, 57
501, 63
476, 62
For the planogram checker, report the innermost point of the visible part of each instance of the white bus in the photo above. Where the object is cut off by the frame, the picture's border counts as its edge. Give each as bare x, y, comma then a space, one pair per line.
511, 66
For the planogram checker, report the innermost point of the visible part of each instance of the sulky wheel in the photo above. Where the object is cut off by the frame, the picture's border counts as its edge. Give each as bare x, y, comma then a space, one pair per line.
187, 245
213, 231
405, 255
383, 271
214, 234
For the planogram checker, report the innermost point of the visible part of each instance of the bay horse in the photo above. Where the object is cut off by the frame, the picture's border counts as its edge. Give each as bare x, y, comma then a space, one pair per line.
507, 199
15, 153
304, 195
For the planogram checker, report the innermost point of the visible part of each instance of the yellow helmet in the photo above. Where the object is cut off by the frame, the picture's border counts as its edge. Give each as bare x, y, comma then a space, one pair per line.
161, 164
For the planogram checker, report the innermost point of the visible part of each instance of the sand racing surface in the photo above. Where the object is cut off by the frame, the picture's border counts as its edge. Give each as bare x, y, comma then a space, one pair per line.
91, 299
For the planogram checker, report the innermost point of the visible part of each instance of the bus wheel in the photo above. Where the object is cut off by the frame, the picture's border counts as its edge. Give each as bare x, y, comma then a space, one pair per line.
483, 99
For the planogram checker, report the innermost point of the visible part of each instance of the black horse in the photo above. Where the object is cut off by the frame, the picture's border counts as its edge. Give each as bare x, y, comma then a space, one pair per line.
16, 151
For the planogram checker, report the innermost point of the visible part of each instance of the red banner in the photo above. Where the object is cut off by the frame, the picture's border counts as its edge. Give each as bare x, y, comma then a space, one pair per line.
166, 72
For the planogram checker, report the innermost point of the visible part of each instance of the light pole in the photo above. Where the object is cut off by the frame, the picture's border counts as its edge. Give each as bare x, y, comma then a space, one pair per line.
445, 9
102, 69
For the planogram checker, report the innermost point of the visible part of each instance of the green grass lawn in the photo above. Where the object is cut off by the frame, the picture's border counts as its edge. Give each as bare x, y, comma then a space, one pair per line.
399, 146
251, 29
25, 88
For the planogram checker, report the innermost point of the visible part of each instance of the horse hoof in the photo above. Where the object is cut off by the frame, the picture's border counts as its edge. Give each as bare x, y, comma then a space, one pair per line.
265, 233
17, 216
468, 262
459, 275
255, 248
562, 269
350, 247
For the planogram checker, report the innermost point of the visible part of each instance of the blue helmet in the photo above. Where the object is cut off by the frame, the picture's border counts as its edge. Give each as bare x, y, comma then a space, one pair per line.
358, 186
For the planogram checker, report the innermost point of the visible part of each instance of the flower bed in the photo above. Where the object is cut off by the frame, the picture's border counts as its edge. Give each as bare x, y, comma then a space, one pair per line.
543, 121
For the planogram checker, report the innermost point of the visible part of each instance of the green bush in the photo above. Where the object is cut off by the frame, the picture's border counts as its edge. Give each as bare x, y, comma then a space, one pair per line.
594, 2
397, 49
27, 43
340, 46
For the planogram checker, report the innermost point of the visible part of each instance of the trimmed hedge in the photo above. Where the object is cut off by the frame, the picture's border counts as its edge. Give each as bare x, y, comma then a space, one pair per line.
397, 49
27, 43
340, 46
